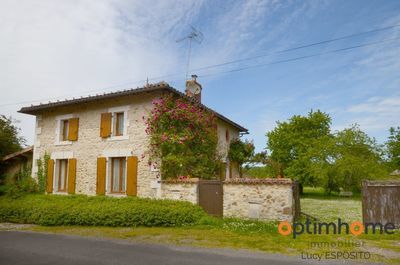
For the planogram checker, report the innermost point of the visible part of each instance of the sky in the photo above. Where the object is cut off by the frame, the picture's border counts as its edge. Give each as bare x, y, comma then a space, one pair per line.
53, 50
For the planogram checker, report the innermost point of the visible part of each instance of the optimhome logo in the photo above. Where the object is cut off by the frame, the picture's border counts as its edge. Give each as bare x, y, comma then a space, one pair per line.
317, 228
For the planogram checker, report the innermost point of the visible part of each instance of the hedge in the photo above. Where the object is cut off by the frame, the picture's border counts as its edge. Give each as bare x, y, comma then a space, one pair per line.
52, 210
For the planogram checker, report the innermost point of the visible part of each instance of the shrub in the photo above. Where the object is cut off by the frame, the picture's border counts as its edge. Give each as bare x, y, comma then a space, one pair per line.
51, 210
19, 184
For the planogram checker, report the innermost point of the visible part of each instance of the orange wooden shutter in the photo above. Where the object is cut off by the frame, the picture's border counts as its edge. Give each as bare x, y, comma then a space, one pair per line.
71, 175
73, 129
105, 125
222, 172
101, 176
131, 176
50, 172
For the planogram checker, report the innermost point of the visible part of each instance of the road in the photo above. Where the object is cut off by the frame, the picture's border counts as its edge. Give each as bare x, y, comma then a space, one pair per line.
20, 247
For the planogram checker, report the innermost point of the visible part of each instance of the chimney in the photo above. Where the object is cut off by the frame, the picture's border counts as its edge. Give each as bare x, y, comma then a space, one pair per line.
193, 89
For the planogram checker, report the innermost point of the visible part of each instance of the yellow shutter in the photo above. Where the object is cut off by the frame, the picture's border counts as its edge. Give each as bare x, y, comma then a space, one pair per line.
73, 129
222, 172
50, 172
101, 176
131, 176
105, 125
71, 175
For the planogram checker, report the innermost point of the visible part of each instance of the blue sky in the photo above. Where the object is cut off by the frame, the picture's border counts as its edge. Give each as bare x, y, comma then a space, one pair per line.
74, 48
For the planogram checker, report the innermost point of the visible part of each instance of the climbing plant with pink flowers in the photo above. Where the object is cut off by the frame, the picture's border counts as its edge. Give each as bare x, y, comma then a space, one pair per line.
183, 138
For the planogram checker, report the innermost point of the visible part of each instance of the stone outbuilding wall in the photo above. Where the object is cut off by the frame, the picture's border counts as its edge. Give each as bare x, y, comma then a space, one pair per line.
180, 190
262, 199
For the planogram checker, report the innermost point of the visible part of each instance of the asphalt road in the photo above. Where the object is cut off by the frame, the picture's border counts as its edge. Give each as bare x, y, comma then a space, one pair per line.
18, 247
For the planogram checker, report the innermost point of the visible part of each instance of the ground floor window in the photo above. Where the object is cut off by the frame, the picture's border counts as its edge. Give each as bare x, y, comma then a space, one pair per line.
118, 175
62, 175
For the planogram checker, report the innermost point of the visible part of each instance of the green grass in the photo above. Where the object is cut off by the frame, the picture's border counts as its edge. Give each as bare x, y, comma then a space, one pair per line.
328, 208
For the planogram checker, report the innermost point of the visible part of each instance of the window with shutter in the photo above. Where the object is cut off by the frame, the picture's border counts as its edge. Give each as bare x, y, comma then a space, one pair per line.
73, 129
132, 170
50, 175
101, 176
105, 125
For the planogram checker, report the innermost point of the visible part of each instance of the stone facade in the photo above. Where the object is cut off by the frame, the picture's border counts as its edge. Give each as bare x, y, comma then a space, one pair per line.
226, 133
184, 191
90, 145
270, 199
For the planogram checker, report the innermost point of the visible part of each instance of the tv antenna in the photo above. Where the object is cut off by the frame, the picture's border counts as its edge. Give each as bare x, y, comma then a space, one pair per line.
194, 35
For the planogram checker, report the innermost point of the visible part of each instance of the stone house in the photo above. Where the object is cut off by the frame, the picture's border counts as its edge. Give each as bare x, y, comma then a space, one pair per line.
97, 144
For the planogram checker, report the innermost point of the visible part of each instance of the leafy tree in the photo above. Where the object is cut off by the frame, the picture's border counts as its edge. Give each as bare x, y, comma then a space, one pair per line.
393, 147
10, 141
299, 143
306, 150
356, 157
241, 152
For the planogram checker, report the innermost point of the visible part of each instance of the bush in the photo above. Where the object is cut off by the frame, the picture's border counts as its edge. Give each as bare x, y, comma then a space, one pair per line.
19, 184
51, 210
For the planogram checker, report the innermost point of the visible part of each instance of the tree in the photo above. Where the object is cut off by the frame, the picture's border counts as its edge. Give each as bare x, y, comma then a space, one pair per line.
10, 141
307, 150
299, 143
356, 157
241, 152
393, 147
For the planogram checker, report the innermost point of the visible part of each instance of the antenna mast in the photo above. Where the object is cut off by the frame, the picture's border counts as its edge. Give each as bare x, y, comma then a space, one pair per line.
195, 35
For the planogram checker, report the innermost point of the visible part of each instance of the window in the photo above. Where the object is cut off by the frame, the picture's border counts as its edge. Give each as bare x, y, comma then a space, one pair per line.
227, 137
119, 124
62, 174
118, 174
64, 130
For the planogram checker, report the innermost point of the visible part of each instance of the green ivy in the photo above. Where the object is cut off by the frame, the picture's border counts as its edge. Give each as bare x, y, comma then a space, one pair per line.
42, 172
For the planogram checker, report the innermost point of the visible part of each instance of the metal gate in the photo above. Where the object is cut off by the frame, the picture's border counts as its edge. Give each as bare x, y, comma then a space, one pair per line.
211, 197
381, 202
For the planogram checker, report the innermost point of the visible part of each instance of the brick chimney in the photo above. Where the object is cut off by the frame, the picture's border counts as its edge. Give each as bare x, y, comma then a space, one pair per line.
193, 89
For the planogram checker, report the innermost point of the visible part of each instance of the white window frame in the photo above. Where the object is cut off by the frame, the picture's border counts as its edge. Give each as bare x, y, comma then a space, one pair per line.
113, 111
108, 176
109, 154
59, 120
58, 156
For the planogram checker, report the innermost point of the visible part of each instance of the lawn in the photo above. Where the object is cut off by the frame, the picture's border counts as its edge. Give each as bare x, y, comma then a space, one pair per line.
330, 207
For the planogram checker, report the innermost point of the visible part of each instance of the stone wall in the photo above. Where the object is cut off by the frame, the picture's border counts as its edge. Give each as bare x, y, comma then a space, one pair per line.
266, 199
180, 190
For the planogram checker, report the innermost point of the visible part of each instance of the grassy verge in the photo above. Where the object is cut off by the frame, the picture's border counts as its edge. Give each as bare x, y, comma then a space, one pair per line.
246, 235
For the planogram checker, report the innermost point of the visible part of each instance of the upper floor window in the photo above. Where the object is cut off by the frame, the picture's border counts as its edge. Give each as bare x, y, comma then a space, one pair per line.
118, 123
64, 130
114, 123
67, 129
227, 136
